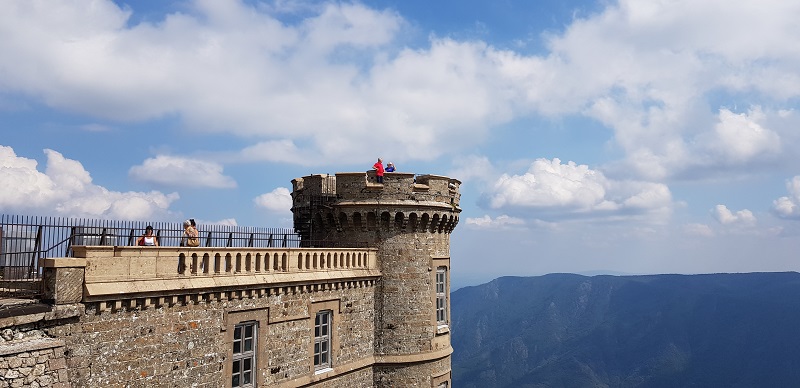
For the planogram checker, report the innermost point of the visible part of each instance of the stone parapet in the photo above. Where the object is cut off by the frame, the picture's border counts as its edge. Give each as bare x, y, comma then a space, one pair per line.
123, 263
397, 186
63, 279
139, 277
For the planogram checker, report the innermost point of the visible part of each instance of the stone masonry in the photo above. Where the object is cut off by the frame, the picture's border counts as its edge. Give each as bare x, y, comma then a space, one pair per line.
166, 316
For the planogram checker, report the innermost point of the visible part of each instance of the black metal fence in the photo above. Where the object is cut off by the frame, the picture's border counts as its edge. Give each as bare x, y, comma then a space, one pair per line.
26, 239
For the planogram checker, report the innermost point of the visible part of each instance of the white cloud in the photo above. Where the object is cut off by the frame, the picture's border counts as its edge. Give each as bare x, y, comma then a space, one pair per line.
224, 222
334, 78
472, 168
66, 189
726, 217
643, 69
276, 151
789, 206
278, 200
181, 172
740, 138
553, 190
501, 221
695, 229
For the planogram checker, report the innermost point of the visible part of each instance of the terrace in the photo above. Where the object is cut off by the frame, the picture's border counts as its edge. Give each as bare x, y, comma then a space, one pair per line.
25, 243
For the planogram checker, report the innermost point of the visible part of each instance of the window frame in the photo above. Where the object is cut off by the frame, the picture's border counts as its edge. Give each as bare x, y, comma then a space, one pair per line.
314, 307
323, 325
242, 356
441, 296
441, 293
231, 318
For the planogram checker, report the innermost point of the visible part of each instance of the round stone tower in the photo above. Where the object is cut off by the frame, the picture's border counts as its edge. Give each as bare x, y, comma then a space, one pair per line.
408, 219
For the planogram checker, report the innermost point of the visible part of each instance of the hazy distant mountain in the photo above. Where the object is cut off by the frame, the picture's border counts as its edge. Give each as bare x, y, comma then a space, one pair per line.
562, 330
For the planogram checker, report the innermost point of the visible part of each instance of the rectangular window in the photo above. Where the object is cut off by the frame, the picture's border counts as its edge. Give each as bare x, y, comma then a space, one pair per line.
322, 340
441, 296
244, 355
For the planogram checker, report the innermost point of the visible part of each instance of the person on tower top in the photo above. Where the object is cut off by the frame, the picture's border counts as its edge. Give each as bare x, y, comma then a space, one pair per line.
378, 166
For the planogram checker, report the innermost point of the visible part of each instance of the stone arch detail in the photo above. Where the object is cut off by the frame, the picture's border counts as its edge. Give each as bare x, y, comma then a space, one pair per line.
412, 222
399, 221
434, 223
372, 220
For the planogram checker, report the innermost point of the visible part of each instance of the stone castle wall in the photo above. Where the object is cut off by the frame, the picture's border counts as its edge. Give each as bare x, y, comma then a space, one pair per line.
32, 359
186, 344
408, 219
165, 316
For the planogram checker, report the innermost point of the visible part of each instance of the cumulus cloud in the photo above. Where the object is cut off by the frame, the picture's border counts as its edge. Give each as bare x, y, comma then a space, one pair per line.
641, 68
726, 217
66, 189
278, 200
181, 172
325, 80
741, 138
789, 206
551, 189
498, 222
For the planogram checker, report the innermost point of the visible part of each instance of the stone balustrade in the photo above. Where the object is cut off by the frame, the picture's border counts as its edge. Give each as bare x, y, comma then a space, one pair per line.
120, 272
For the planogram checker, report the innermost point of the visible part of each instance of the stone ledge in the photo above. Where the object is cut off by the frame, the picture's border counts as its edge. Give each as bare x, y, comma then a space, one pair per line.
415, 357
30, 345
57, 312
336, 371
115, 289
63, 262
420, 187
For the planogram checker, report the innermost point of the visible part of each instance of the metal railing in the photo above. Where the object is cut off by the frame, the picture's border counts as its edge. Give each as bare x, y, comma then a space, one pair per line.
26, 239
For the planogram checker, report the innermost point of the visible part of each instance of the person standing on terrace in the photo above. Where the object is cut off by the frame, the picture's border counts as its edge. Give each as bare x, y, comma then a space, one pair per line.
190, 234
378, 166
147, 239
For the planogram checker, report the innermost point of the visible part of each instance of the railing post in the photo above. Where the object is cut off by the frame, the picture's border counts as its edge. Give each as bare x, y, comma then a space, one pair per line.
36, 250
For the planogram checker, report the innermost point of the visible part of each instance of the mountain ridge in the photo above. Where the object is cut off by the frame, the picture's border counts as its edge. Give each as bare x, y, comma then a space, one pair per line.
568, 330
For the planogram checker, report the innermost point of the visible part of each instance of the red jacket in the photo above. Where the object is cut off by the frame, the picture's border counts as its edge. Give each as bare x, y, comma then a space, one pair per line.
379, 167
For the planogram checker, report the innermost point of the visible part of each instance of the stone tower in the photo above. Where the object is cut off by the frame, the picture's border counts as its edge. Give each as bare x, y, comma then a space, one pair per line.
408, 219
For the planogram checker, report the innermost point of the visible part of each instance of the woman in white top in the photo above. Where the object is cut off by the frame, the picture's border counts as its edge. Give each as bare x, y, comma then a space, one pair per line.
148, 239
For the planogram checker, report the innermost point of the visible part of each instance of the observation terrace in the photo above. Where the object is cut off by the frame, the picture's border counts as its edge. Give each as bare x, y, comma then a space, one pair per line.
131, 277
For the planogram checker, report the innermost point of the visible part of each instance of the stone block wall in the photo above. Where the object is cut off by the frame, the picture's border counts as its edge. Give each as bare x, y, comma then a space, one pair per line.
32, 359
188, 343
408, 219
420, 374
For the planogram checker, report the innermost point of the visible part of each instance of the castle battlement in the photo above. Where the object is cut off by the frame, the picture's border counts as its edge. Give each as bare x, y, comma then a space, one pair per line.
397, 186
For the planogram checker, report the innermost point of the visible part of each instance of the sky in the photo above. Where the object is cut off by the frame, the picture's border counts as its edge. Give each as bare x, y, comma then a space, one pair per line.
616, 137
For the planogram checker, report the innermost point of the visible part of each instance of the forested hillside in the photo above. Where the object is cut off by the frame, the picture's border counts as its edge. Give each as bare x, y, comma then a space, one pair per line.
563, 330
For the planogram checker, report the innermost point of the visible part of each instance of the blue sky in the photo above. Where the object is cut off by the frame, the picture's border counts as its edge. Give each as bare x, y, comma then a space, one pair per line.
591, 137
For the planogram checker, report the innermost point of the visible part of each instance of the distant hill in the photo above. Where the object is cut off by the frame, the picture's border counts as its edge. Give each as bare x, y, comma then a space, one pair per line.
564, 330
